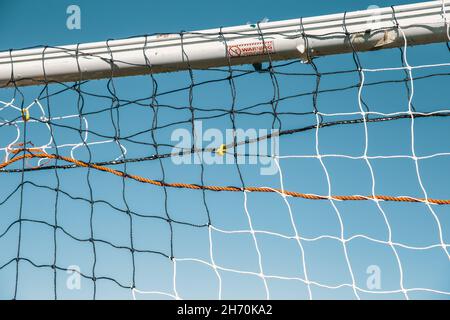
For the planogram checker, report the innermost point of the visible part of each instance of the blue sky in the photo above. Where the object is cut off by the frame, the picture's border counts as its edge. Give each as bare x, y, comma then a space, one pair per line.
332, 267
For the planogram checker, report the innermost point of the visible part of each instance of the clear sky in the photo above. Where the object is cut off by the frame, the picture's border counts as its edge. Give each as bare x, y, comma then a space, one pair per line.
304, 248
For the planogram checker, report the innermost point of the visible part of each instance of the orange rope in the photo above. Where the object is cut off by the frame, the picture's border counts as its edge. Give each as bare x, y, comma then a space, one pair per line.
79, 163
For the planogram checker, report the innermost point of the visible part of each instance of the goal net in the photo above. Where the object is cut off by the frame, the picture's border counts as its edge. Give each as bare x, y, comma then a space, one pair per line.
145, 169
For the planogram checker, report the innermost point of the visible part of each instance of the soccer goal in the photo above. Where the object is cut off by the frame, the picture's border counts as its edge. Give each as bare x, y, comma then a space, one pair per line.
299, 159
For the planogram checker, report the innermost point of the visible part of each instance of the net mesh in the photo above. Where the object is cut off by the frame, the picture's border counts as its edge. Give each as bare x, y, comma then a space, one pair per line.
342, 192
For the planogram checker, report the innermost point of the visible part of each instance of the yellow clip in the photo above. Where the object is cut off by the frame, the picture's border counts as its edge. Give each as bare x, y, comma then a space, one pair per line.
221, 150
25, 115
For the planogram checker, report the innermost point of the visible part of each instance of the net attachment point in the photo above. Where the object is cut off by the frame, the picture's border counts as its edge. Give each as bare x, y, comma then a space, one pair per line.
302, 49
25, 115
221, 150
